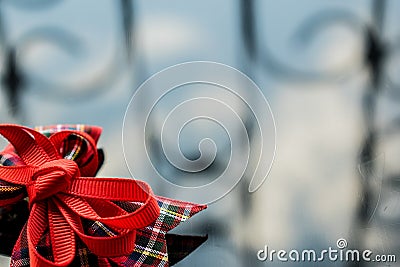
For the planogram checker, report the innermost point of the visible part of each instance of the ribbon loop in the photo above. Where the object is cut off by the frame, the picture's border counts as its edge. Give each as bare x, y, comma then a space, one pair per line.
58, 201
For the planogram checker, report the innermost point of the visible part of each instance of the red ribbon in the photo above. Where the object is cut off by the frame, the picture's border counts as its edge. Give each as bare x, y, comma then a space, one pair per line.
59, 197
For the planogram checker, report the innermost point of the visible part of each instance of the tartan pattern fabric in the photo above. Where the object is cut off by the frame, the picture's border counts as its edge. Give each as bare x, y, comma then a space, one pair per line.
150, 246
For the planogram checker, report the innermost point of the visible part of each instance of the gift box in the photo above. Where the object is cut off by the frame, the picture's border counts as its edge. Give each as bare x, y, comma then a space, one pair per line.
54, 212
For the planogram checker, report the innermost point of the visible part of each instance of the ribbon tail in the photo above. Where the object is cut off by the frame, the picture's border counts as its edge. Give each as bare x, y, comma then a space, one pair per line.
105, 246
12, 221
62, 236
180, 246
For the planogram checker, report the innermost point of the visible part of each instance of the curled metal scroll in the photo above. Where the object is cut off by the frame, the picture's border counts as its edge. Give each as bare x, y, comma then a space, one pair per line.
15, 76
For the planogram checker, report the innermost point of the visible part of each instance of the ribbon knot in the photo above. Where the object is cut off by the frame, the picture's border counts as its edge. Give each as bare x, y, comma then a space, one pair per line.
59, 198
50, 178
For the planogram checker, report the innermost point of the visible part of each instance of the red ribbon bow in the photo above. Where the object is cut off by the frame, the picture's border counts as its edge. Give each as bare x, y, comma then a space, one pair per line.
59, 197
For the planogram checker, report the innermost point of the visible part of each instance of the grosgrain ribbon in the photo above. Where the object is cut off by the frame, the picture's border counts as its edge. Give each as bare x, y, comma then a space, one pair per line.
59, 197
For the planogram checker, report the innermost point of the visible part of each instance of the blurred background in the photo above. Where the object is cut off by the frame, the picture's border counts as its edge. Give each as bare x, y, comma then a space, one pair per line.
329, 69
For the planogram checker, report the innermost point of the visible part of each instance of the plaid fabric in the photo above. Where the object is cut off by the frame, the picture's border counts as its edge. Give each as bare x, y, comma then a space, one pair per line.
150, 246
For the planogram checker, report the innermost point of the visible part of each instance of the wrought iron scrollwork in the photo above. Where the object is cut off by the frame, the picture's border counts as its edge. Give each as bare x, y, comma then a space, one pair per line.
15, 77
376, 52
